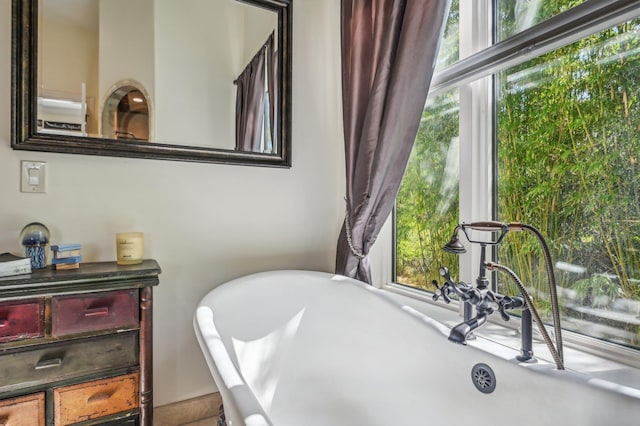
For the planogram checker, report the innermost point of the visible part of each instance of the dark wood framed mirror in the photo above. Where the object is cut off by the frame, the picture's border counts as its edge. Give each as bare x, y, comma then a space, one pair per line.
163, 80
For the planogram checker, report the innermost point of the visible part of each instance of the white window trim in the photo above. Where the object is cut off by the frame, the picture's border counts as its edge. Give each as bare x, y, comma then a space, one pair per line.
475, 132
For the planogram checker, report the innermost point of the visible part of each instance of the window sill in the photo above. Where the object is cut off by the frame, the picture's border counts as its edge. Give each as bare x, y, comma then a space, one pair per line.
584, 355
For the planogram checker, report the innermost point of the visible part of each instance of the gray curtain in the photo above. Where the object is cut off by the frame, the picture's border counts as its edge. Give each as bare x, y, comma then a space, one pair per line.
389, 49
272, 89
250, 92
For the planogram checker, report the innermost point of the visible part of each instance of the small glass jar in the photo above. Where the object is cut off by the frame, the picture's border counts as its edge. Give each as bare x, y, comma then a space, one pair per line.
129, 248
35, 238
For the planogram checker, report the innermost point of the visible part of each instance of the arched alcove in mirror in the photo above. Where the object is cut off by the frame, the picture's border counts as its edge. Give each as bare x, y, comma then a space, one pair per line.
127, 113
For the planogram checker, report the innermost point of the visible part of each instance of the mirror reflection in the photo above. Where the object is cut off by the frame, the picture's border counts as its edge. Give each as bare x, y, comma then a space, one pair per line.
197, 72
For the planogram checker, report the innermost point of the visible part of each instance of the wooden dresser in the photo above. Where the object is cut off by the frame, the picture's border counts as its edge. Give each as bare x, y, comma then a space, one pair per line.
76, 346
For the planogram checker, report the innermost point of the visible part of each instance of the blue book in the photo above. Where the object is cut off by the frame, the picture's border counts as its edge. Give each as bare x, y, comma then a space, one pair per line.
60, 260
66, 247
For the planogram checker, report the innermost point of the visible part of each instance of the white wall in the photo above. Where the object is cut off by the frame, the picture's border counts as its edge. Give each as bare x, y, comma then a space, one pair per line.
64, 69
126, 45
201, 47
258, 24
195, 45
204, 223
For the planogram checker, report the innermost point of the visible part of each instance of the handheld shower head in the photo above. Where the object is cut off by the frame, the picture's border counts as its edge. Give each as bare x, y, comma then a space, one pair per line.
454, 245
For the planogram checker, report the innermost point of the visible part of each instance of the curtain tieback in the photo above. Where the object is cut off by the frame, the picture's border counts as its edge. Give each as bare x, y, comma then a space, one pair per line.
357, 253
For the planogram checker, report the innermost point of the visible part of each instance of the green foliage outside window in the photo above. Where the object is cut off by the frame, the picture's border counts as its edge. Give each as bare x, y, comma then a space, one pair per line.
568, 141
427, 204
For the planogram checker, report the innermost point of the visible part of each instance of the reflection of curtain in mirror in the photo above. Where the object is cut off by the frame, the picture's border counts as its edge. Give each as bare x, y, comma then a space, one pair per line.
250, 99
272, 90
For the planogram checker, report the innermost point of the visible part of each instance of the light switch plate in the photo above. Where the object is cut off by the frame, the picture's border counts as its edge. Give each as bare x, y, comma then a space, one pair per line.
33, 176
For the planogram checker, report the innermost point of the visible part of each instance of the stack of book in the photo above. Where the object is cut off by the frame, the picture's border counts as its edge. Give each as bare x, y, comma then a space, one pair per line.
66, 256
10, 264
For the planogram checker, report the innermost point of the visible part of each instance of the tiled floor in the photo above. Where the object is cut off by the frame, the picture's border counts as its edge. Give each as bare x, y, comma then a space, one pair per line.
211, 421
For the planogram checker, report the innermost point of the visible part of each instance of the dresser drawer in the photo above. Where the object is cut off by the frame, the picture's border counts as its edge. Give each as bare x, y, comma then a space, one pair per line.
87, 401
21, 319
23, 411
53, 362
95, 311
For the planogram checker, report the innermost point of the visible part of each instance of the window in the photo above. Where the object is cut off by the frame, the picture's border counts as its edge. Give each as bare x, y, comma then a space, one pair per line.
543, 133
427, 204
514, 16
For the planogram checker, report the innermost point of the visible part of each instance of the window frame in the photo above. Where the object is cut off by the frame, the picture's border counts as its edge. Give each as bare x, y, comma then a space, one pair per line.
563, 29
473, 75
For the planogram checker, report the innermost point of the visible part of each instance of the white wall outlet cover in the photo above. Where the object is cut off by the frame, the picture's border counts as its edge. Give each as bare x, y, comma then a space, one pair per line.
33, 176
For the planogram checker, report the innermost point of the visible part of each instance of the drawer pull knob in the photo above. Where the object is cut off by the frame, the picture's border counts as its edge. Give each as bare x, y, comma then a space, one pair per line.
103, 396
3, 323
97, 312
49, 363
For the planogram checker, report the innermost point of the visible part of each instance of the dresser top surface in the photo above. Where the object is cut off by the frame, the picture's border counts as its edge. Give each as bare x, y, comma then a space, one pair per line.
89, 272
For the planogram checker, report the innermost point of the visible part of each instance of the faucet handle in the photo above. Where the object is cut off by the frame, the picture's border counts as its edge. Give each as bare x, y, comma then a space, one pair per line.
508, 302
503, 314
441, 291
464, 291
444, 273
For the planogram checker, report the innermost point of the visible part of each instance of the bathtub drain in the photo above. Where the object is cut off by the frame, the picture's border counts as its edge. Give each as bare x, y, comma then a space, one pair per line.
483, 378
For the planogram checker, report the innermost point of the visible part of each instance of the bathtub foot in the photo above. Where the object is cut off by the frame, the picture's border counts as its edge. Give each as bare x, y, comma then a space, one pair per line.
222, 421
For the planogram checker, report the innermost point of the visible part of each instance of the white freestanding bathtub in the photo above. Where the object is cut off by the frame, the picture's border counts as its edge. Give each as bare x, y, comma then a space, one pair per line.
300, 348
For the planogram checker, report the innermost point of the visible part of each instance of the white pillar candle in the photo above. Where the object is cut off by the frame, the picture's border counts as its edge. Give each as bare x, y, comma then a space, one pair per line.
129, 247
